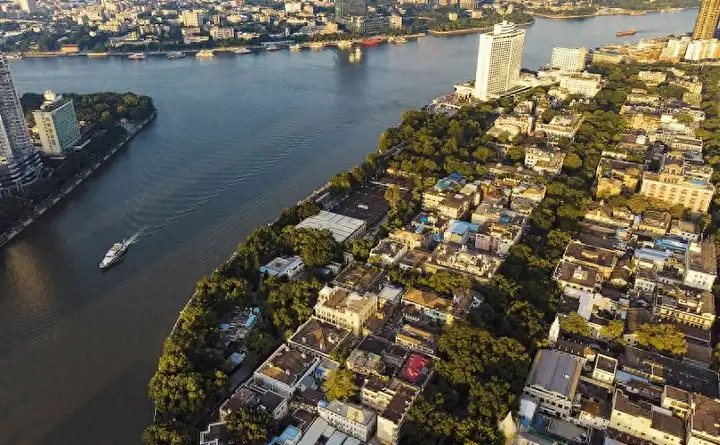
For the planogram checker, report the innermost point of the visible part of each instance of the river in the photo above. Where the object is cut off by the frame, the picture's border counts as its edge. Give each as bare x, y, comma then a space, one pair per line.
236, 140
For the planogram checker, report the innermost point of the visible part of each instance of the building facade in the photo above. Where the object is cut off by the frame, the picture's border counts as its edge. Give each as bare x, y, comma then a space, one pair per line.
707, 20
345, 308
569, 59
57, 125
349, 418
499, 60
28, 6
671, 185
19, 162
350, 7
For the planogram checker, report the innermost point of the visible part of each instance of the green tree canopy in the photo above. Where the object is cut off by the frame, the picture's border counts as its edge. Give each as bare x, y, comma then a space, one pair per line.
250, 426
575, 324
393, 195
340, 385
316, 247
613, 330
168, 433
663, 337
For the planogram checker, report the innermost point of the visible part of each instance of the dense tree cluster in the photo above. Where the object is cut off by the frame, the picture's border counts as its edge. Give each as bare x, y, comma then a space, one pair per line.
437, 20
663, 337
340, 385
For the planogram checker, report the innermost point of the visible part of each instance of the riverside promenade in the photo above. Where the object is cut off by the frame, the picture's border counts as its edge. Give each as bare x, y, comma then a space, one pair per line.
132, 130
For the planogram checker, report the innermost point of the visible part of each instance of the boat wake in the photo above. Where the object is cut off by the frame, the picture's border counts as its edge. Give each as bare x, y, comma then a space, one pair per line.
133, 239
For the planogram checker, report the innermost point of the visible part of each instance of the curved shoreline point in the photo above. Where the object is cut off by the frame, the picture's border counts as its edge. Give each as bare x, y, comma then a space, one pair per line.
454, 32
50, 202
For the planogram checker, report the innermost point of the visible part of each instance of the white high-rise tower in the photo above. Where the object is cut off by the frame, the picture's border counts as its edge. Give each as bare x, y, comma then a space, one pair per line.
499, 60
19, 161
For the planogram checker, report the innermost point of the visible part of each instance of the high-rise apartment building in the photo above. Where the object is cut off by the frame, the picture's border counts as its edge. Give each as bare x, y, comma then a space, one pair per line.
569, 59
19, 162
344, 8
57, 125
499, 60
707, 20
28, 6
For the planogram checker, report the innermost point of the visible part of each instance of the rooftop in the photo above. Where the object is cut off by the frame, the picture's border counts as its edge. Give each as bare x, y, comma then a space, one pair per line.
342, 300
702, 257
252, 396
361, 277
342, 227
706, 415
349, 411
286, 365
280, 265
416, 369
590, 254
578, 274
556, 372
319, 336
671, 372
400, 404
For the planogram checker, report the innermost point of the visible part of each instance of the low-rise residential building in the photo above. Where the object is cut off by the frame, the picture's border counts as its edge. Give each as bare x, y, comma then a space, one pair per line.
349, 418
417, 339
629, 173
646, 422
703, 427
562, 126
673, 186
577, 279
318, 338
252, 396
553, 381
497, 237
652, 78
603, 260
605, 369
411, 239
512, 126
391, 399
345, 308
691, 308
639, 96
544, 160
654, 222
283, 267
432, 306
222, 32
284, 370
388, 252
584, 84
463, 259
701, 265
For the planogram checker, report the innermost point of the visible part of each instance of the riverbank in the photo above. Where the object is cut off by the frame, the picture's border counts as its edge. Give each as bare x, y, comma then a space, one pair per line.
47, 204
193, 51
457, 32
602, 13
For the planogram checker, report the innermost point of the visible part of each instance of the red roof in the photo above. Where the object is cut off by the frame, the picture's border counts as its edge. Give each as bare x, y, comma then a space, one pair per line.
414, 367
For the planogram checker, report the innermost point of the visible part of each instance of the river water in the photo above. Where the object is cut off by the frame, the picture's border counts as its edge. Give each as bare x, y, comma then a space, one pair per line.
235, 141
